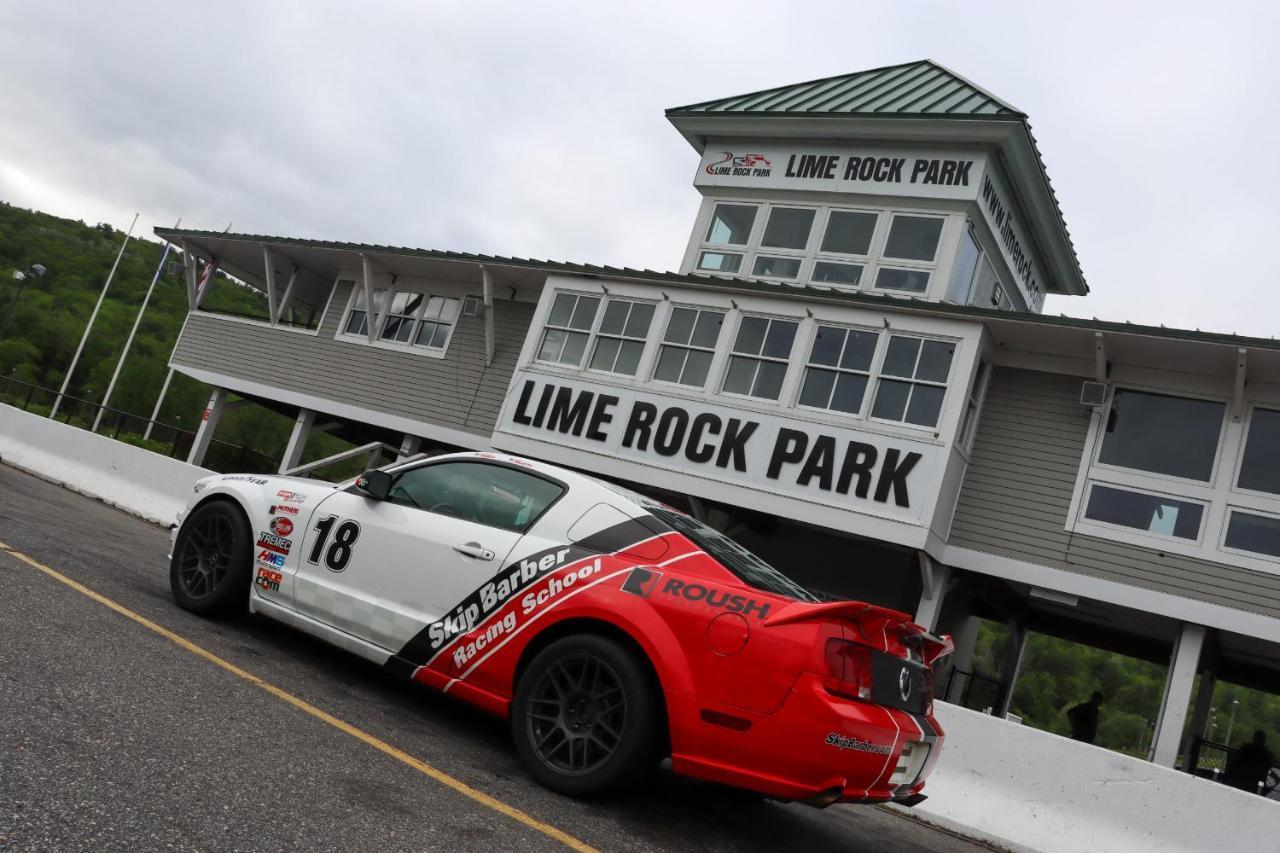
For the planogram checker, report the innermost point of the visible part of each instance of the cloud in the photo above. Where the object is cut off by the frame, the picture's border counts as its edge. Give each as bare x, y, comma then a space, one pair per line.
537, 129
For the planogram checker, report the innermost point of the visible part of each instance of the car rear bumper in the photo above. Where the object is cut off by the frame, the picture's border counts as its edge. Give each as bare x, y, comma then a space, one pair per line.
817, 747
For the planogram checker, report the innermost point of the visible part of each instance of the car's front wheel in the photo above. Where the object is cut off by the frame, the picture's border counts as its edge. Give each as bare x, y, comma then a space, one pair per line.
585, 716
212, 561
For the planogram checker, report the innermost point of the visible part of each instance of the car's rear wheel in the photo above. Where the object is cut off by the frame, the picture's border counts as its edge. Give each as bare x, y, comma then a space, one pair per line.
584, 716
212, 561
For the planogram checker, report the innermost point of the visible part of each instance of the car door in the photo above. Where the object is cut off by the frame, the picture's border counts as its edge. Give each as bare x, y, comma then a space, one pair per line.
382, 570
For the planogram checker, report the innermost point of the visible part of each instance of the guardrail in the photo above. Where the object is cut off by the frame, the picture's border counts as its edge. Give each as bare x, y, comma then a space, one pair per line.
172, 440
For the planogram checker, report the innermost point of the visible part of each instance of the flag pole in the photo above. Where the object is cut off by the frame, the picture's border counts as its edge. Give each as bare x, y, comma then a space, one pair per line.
66, 380
106, 398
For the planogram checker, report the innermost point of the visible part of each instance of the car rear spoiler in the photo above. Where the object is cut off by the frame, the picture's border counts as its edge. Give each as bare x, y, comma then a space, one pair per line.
872, 621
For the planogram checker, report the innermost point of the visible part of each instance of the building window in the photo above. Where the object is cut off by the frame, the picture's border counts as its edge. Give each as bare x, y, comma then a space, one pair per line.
1260, 466
960, 288
768, 267
849, 232
688, 346
731, 225
974, 404
437, 321
1258, 534
358, 316
401, 316
839, 369
568, 328
913, 380
911, 239
788, 228
759, 360
1162, 434
1151, 513
621, 336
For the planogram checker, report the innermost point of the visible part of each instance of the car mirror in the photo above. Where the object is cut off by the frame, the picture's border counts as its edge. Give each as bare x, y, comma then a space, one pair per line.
374, 484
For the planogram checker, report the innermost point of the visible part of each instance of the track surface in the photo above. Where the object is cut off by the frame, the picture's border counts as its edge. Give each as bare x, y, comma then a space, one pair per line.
113, 737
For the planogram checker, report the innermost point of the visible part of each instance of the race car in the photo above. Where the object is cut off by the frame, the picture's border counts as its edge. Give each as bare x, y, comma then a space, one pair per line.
610, 629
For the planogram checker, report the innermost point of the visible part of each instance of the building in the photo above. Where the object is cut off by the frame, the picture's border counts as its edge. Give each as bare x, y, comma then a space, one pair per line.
850, 373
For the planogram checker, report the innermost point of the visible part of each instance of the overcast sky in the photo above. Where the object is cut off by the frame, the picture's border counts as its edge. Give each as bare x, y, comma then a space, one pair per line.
537, 129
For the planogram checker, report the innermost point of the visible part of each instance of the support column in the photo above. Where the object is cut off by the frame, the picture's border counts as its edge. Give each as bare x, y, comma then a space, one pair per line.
208, 425
1014, 650
297, 441
965, 638
409, 447
1177, 694
933, 588
1199, 714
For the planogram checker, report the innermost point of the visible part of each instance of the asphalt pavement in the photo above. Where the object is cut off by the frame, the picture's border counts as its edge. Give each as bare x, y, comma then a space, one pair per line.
116, 737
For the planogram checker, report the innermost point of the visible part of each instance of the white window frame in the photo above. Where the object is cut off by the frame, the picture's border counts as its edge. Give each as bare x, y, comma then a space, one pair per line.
872, 373
811, 254
660, 343
1220, 496
1154, 539
595, 335
546, 326
888, 335
977, 396
341, 334
730, 353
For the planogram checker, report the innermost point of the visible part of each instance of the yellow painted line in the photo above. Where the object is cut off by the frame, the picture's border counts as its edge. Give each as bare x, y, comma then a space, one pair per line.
382, 746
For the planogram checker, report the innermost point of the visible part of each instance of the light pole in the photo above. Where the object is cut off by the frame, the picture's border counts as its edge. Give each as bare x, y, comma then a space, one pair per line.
1231, 721
33, 271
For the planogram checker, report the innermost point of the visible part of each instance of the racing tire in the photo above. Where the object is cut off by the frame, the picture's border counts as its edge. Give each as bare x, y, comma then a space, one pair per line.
212, 561
584, 718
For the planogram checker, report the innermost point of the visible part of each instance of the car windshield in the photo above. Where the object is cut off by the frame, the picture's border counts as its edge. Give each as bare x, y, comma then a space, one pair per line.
746, 566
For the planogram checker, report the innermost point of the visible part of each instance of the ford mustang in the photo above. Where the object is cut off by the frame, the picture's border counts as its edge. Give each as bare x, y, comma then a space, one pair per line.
611, 630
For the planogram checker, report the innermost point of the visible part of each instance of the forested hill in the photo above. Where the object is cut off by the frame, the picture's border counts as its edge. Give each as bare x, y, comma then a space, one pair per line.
51, 313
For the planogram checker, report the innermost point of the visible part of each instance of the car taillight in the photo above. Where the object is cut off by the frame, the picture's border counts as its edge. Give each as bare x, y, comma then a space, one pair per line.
848, 669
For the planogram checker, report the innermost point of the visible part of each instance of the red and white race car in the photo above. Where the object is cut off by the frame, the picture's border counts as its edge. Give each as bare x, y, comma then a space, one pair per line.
610, 629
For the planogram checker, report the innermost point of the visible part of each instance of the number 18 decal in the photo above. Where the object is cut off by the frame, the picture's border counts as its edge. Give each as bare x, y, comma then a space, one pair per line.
344, 539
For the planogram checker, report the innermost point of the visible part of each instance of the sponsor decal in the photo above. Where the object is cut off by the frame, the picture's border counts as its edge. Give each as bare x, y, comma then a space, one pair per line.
740, 165
283, 509
244, 478
270, 558
641, 582
712, 597
281, 526
271, 542
463, 654
290, 497
558, 585
268, 580
857, 744
488, 598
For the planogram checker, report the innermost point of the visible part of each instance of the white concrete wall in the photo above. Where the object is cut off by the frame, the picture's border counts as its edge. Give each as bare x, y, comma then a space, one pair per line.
135, 480
1031, 790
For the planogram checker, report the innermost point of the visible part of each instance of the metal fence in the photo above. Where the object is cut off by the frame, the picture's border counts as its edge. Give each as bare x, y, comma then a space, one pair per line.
169, 439
974, 691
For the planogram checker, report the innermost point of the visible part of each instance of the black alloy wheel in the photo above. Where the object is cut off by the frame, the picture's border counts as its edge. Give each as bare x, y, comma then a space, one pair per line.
577, 714
584, 716
210, 569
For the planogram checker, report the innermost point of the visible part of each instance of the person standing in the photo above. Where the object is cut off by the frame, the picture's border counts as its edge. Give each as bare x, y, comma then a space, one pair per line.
1250, 764
1083, 718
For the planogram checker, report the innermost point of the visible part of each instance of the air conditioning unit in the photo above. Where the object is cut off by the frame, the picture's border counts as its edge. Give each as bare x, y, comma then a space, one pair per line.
472, 307
1093, 393
175, 268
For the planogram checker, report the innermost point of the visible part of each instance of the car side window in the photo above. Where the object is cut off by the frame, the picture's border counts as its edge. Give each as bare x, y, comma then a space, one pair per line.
493, 495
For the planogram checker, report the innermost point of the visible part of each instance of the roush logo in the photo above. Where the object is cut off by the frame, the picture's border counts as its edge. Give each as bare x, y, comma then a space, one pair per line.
271, 542
641, 582
712, 597
281, 526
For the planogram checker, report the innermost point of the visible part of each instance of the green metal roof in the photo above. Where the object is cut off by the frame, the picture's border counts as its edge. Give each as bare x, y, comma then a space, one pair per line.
922, 88
809, 291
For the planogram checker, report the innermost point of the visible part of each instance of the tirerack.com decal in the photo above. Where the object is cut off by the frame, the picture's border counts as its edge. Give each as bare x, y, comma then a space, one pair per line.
857, 744
268, 579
